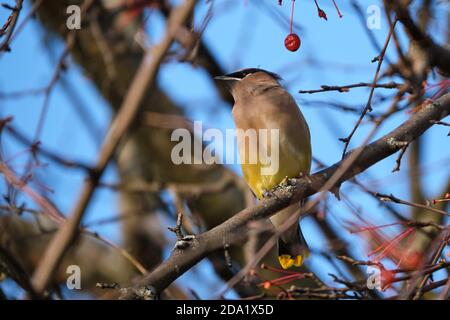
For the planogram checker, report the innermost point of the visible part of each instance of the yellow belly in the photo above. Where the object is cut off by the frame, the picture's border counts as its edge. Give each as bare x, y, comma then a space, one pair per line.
290, 165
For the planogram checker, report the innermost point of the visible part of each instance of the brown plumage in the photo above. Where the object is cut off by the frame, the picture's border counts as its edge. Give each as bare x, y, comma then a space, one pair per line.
262, 103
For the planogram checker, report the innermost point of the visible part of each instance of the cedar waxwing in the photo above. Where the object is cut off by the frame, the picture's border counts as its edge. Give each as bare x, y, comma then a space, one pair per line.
260, 102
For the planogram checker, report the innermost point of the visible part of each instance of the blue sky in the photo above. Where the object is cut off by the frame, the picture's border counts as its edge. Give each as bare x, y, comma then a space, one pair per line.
240, 34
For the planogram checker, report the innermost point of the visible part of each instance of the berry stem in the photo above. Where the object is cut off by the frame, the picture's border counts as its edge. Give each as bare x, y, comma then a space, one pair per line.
320, 12
337, 9
292, 16
316, 4
264, 266
285, 279
386, 249
374, 227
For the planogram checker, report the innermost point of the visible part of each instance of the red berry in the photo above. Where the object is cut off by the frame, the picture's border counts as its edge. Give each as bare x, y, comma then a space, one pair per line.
267, 285
387, 277
322, 14
292, 42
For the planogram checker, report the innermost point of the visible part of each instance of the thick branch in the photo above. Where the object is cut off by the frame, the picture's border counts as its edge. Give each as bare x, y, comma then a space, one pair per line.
235, 229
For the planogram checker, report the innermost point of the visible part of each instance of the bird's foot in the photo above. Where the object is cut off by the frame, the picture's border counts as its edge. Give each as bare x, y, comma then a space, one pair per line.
268, 194
284, 182
287, 181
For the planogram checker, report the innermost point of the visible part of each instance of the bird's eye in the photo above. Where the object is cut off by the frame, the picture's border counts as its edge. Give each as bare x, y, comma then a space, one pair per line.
242, 74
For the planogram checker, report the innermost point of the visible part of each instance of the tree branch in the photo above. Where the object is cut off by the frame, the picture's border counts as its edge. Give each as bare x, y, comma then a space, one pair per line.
235, 229
9, 26
439, 55
144, 79
346, 88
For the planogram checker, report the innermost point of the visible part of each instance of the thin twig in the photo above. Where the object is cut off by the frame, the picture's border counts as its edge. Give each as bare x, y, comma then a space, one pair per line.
390, 197
177, 229
368, 107
434, 260
10, 25
398, 161
346, 88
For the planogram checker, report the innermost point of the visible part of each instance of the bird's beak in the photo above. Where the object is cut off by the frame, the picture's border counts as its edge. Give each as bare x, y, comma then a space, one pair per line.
227, 78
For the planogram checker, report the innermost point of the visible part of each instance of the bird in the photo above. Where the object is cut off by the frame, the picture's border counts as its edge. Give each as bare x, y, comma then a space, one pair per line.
261, 102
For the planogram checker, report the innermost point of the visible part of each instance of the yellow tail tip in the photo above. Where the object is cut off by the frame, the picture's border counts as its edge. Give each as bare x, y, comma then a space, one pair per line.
286, 261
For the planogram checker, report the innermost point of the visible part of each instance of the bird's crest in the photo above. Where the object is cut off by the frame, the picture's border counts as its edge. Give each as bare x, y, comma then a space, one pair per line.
242, 73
